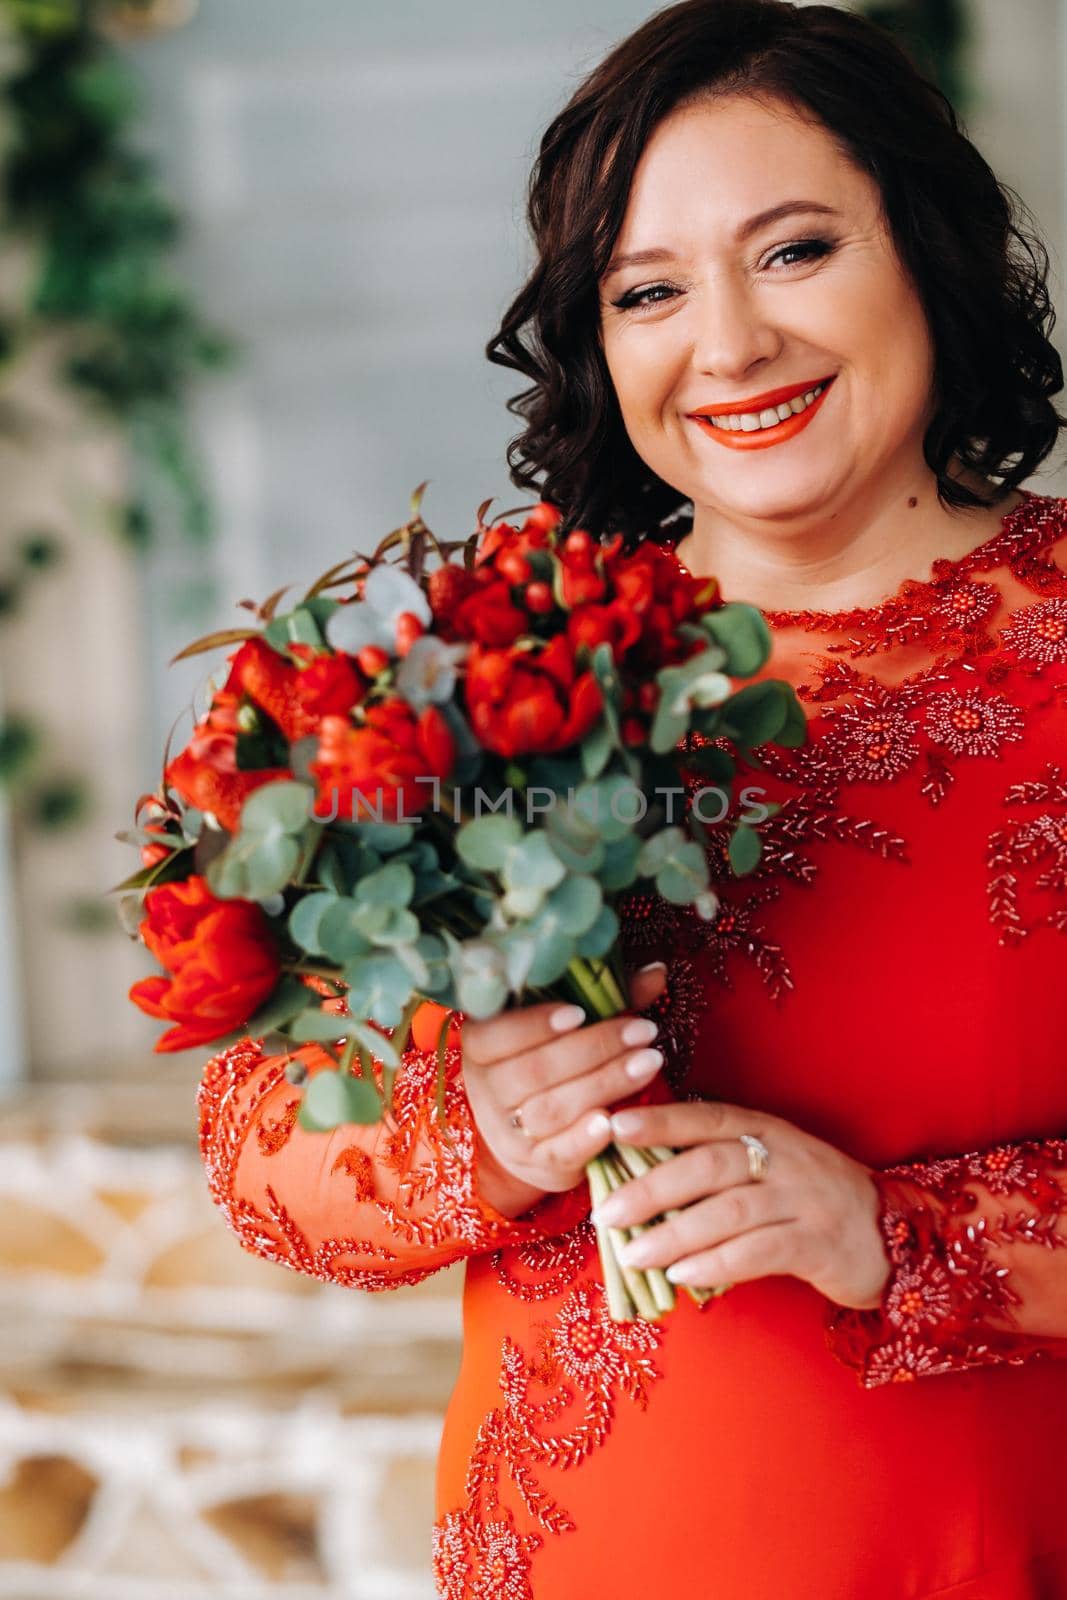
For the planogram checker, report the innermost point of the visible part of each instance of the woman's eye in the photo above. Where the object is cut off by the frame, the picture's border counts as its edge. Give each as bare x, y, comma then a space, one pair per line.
804, 249
637, 297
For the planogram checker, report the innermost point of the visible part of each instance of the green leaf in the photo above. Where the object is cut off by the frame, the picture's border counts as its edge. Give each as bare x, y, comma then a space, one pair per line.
379, 988
288, 1000
386, 837
253, 866
387, 925
391, 885
485, 841
305, 917
532, 864
755, 713
335, 1099
599, 938
597, 748
339, 933
301, 628
744, 849
681, 879
619, 866
555, 952
743, 633
321, 607
613, 805
794, 733
576, 902
280, 805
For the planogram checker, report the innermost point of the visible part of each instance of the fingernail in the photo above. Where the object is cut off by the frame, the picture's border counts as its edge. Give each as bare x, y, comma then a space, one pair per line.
609, 1211
644, 1064
639, 1030
652, 966
565, 1017
598, 1126
624, 1123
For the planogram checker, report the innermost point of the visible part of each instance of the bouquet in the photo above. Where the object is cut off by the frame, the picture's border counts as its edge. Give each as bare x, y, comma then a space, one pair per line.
431, 783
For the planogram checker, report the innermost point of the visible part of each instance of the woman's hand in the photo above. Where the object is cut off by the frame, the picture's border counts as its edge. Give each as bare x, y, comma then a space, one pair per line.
563, 1077
813, 1217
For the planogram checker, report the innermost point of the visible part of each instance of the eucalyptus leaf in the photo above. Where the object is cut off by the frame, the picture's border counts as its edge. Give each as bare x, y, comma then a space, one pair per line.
339, 933
619, 866
744, 635
281, 805
384, 837
744, 849
379, 988
387, 925
289, 999
532, 863
335, 1099
253, 866
756, 713
576, 902
305, 917
684, 875
613, 805
485, 841
391, 885
597, 747
600, 936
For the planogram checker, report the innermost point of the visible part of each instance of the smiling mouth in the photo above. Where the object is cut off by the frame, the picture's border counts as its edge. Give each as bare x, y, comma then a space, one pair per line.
772, 424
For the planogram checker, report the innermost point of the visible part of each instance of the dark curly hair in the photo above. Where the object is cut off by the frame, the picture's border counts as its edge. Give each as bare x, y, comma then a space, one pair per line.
967, 241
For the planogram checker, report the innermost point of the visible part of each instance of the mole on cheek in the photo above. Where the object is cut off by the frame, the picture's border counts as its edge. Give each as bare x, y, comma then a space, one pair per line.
913, 501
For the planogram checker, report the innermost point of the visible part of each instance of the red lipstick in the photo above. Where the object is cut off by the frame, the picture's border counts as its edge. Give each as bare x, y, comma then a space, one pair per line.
761, 438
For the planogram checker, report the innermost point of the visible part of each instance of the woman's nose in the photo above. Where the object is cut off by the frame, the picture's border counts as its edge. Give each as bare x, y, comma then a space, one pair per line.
732, 331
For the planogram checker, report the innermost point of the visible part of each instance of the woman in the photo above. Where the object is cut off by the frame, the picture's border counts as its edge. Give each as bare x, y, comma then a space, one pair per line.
774, 280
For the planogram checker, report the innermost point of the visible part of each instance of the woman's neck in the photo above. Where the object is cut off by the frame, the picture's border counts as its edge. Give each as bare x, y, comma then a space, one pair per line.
852, 559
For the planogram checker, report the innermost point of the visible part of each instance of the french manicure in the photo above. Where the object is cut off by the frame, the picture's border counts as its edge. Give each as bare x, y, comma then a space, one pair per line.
644, 1064
653, 966
639, 1030
565, 1017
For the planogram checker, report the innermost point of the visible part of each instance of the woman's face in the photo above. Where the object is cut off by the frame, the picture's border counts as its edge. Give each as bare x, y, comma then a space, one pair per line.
734, 311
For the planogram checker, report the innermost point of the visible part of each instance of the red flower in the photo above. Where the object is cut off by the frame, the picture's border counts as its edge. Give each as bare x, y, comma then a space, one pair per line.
374, 769
297, 698
220, 954
489, 615
523, 701
651, 584
446, 588
206, 773
504, 536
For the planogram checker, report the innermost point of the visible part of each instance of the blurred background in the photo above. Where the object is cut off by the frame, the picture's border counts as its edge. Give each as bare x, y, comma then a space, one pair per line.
251, 253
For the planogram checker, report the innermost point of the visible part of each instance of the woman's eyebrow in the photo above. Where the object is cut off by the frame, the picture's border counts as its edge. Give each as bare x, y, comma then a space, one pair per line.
642, 258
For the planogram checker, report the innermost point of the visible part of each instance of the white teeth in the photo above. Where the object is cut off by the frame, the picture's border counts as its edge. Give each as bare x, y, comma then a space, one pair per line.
750, 421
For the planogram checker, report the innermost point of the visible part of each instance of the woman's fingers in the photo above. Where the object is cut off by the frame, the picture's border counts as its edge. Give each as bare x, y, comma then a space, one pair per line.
513, 1032
646, 983
563, 1156
559, 1107
558, 1061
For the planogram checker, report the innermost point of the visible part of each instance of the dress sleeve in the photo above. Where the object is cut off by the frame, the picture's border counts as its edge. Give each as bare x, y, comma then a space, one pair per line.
977, 1266
370, 1206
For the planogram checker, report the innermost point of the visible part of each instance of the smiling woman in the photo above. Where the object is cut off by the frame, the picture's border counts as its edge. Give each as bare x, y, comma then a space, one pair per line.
777, 284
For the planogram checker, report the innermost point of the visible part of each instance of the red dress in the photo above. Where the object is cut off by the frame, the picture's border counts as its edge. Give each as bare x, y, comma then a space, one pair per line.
891, 979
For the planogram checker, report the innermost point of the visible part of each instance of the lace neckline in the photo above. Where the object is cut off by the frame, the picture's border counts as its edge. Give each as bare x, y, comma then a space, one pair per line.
993, 552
